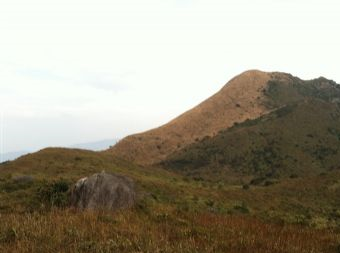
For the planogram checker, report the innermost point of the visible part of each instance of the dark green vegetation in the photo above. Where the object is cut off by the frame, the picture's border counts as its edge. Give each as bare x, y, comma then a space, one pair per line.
284, 89
301, 137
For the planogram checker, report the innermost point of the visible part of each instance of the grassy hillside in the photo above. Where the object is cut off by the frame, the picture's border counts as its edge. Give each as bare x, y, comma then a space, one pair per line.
298, 139
266, 184
174, 212
300, 136
247, 96
231, 104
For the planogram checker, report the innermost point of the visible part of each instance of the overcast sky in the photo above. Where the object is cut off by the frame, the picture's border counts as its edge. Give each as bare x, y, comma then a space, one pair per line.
74, 71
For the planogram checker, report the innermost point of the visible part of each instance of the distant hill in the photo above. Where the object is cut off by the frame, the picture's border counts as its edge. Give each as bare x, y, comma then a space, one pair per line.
93, 146
97, 145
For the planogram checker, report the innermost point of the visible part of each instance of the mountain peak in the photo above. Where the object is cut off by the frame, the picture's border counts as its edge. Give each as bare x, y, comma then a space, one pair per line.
247, 96
248, 77
240, 99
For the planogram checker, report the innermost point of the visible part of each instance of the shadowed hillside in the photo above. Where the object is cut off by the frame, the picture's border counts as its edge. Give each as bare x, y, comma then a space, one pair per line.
299, 139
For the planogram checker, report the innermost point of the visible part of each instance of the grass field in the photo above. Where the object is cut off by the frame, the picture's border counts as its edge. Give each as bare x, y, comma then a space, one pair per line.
162, 231
174, 213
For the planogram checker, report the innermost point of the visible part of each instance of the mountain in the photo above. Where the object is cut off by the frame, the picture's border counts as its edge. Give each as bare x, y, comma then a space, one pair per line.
248, 96
256, 158
301, 137
241, 99
97, 145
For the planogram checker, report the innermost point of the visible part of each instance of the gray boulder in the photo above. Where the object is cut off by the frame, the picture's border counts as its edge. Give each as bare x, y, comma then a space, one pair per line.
103, 191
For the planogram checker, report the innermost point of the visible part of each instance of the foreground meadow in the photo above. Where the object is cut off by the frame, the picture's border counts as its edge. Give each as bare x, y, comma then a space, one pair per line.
173, 213
160, 231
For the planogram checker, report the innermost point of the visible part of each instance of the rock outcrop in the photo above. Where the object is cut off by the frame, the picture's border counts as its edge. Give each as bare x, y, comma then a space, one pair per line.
103, 191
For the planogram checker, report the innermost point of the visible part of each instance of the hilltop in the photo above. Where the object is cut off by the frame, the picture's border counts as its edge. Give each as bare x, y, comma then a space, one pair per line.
240, 99
248, 96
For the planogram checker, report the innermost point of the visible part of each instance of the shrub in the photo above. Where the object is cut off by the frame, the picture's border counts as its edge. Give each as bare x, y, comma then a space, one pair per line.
54, 194
293, 176
257, 181
269, 182
209, 203
242, 209
245, 187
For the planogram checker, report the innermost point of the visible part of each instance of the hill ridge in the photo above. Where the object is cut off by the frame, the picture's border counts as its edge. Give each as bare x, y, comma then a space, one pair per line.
229, 105
247, 96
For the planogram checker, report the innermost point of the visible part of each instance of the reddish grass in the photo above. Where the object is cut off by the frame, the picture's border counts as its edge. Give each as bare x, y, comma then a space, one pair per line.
161, 231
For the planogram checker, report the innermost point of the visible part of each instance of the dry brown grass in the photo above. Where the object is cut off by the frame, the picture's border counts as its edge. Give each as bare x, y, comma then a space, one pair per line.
174, 214
163, 231
241, 99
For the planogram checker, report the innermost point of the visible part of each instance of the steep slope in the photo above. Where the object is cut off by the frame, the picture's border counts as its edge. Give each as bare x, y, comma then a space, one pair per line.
242, 98
247, 96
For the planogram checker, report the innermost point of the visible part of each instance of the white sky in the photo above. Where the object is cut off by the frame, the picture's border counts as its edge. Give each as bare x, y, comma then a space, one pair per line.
82, 70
